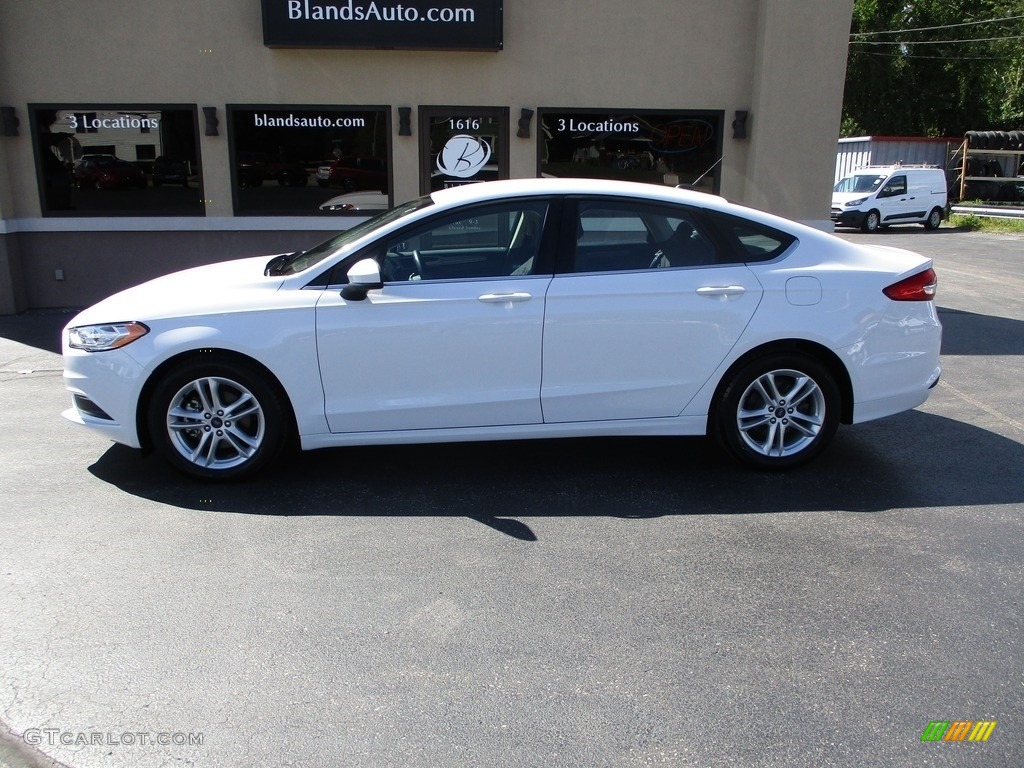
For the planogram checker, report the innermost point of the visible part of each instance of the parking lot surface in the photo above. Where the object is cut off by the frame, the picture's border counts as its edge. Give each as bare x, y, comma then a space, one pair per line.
604, 602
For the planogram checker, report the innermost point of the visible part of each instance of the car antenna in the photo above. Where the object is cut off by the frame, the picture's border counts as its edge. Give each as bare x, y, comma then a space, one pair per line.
695, 182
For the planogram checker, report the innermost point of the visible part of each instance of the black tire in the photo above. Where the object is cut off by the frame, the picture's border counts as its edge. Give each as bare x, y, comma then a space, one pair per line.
872, 222
778, 411
239, 421
934, 219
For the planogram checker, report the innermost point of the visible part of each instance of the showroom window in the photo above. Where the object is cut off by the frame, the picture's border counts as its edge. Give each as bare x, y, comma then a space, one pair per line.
127, 160
462, 145
310, 160
652, 146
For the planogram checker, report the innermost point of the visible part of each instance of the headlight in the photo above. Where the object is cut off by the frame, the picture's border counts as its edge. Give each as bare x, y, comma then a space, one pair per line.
101, 338
858, 201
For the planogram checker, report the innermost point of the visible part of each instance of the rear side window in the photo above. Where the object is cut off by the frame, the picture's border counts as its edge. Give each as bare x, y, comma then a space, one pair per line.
750, 240
630, 235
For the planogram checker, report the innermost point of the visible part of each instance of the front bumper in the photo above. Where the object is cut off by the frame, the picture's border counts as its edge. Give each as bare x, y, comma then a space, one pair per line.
104, 384
847, 218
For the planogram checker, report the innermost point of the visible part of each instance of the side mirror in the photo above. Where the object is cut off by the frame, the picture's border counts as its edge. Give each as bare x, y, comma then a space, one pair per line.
363, 277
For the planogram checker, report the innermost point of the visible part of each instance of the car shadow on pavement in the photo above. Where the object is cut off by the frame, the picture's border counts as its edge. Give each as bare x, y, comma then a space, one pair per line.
968, 333
896, 463
37, 328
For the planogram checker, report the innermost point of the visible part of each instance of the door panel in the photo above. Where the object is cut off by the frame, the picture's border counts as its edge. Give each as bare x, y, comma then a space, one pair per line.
647, 307
426, 355
639, 344
453, 339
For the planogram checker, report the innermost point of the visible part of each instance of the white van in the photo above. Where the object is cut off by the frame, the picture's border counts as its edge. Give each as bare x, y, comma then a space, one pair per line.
880, 195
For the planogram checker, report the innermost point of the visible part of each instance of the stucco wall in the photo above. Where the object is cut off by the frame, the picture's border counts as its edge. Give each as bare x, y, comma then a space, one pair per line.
783, 60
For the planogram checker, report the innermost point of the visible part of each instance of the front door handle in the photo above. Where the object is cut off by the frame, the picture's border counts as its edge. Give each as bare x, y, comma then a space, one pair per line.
514, 297
721, 290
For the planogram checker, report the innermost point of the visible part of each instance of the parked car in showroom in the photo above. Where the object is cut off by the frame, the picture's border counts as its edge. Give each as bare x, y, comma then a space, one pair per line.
107, 172
167, 170
254, 168
354, 202
354, 173
520, 309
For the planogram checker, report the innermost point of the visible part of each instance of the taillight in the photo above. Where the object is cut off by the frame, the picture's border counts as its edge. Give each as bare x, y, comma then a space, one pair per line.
919, 287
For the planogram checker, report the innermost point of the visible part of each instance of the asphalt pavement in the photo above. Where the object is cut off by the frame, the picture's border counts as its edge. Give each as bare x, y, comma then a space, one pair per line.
603, 602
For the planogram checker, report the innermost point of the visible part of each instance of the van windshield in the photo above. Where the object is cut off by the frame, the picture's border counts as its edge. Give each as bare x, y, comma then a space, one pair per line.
860, 183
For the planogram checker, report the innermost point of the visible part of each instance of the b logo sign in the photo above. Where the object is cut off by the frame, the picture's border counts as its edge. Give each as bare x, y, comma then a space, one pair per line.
463, 156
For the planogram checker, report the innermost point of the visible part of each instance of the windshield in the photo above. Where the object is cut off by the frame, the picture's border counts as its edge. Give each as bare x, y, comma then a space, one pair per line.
298, 262
860, 183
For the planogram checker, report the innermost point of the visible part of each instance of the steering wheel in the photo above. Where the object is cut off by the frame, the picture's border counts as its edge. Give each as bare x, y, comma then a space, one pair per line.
417, 264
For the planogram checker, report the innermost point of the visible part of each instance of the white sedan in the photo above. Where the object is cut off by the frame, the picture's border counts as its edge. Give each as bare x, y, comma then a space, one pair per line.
515, 309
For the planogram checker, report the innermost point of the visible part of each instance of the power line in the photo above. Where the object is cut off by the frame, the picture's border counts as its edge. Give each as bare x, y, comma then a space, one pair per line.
936, 42
888, 55
932, 29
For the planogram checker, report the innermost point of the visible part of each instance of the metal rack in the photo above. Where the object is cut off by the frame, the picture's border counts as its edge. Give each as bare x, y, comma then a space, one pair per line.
966, 152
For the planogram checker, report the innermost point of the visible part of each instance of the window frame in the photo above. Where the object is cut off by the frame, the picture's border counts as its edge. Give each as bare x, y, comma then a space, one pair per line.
543, 260
234, 153
888, 191
722, 225
428, 154
716, 117
92, 108
566, 257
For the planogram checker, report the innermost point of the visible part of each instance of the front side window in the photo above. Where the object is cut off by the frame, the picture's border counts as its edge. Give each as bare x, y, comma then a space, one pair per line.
489, 241
897, 186
128, 160
627, 236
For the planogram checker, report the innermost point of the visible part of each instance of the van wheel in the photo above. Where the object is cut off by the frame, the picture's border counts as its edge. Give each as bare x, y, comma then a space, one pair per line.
871, 222
934, 219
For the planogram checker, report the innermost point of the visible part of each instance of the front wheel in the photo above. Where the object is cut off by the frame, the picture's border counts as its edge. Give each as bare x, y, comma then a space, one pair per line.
871, 222
217, 420
778, 412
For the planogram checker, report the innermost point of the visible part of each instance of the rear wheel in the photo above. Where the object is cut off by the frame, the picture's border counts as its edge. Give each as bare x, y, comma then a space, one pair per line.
778, 411
934, 219
217, 420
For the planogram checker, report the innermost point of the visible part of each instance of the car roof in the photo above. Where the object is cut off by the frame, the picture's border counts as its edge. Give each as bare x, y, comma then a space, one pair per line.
490, 190
496, 190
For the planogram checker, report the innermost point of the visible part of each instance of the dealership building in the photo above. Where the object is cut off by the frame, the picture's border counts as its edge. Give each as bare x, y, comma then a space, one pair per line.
141, 138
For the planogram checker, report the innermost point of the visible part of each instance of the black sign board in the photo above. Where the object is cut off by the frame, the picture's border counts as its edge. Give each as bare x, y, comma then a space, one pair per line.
450, 25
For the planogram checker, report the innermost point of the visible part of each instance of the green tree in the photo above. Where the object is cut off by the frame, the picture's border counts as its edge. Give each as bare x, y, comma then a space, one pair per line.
928, 68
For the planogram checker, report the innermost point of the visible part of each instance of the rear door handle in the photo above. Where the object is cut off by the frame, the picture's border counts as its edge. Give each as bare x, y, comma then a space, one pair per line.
510, 298
721, 290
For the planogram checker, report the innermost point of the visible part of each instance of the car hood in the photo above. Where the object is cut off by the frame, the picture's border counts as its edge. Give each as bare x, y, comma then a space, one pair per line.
839, 198
213, 289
